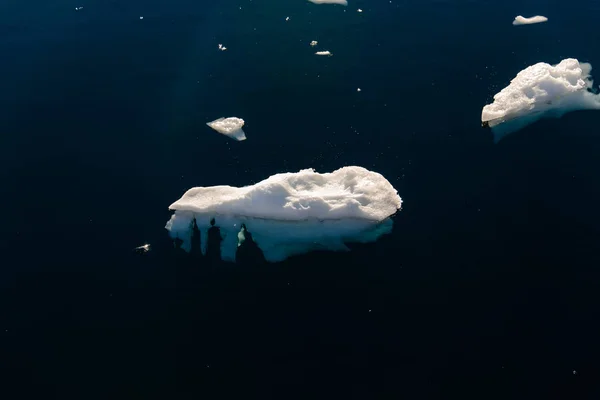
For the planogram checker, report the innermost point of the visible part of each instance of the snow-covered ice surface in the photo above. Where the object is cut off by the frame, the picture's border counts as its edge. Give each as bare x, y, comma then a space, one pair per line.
324, 53
231, 127
521, 20
341, 2
539, 91
292, 213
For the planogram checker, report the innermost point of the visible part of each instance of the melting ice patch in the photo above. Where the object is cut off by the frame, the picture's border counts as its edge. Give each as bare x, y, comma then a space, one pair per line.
521, 20
538, 91
230, 127
291, 213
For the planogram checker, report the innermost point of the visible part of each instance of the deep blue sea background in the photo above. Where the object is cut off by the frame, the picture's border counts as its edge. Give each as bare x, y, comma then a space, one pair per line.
487, 288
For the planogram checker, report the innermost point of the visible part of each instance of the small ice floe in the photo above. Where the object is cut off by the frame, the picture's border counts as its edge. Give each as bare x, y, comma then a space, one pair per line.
521, 20
141, 17
341, 2
314, 43
221, 47
143, 248
230, 127
78, 8
324, 53
287, 18
358, 89
359, 10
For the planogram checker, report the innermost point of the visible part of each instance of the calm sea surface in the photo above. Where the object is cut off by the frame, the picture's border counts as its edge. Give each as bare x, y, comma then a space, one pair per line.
487, 288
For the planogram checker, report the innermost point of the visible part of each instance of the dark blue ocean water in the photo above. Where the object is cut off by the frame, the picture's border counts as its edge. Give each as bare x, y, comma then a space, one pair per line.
486, 288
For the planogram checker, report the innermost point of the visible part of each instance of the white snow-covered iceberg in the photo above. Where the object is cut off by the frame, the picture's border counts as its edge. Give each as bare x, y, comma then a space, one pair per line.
291, 213
540, 91
230, 127
342, 2
521, 20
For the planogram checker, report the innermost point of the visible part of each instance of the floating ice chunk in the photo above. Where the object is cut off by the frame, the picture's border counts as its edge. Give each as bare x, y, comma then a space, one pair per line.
143, 248
358, 89
287, 18
231, 127
538, 91
78, 8
341, 2
520, 20
359, 10
324, 53
141, 17
292, 213
314, 43
221, 47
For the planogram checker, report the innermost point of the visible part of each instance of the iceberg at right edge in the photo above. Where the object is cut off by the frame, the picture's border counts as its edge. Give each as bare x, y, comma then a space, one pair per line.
291, 213
540, 91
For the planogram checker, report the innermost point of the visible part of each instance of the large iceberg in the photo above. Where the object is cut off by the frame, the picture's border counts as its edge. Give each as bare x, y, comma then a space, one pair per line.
540, 90
291, 213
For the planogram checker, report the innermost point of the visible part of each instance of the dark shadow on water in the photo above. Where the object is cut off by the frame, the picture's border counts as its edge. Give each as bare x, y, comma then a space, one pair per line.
196, 246
248, 252
213, 245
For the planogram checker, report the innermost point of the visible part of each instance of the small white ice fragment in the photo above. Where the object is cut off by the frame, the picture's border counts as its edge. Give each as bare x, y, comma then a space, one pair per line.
341, 2
287, 18
141, 17
358, 90
143, 249
78, 8
230, 127
359, 10
314, 43
222, 48
324, 53
520, 20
